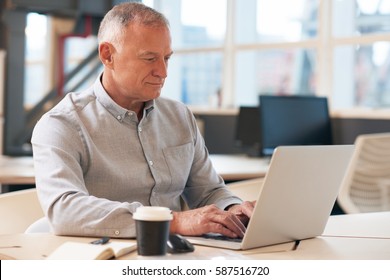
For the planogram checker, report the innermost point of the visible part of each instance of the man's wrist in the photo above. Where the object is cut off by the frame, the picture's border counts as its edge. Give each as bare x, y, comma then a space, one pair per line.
230, 206
173, 225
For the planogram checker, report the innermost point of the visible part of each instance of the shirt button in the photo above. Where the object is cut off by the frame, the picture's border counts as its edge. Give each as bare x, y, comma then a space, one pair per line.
118, 118
116, 232
150, 162
139, 129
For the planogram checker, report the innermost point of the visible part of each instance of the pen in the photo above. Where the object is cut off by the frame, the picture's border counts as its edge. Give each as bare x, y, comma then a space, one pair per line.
101, 241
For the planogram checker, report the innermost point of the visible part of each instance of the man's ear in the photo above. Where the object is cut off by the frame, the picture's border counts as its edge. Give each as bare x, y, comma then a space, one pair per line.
106, 51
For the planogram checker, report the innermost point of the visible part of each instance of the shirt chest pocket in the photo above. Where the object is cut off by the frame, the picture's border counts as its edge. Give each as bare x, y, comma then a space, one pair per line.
179, 160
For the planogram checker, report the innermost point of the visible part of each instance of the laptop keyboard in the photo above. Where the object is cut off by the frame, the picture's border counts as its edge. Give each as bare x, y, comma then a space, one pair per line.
217, 236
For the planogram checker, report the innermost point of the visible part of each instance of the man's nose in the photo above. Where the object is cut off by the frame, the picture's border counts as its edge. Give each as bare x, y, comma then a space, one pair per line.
161, 69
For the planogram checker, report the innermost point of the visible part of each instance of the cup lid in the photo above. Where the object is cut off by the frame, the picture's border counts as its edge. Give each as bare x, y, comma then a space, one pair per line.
153, 213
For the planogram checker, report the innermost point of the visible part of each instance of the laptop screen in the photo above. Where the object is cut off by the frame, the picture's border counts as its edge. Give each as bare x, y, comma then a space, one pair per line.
293, 120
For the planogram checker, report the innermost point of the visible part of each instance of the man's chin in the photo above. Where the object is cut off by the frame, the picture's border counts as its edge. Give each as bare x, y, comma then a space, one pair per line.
156, 94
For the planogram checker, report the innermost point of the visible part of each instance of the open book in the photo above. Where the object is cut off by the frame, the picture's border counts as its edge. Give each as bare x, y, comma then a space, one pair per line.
86, 251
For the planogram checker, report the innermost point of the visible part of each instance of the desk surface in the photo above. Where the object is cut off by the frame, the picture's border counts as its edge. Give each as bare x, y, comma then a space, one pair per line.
331, 246
363, 225
16, 170
20, 170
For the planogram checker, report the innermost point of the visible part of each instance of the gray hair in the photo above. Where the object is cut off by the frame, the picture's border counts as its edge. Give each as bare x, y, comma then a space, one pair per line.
120, 16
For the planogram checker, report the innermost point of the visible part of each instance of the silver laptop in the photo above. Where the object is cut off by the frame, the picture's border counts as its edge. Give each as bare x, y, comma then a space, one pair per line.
297, 197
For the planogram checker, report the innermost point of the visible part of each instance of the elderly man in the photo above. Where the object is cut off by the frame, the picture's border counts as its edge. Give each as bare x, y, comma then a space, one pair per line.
101, 153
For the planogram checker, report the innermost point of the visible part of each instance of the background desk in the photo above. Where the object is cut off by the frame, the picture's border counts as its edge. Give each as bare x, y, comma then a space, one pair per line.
16, 171
239, 167
330, 246
20, 170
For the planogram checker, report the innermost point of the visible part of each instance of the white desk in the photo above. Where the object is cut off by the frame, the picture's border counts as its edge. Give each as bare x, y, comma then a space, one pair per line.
326, 247
363, 225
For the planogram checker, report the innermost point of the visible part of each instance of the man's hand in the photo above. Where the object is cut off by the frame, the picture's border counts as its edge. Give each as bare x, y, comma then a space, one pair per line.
212, 219
243, 211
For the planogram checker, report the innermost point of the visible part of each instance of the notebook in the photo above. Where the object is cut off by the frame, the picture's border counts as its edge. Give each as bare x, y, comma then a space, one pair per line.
87, 251
297, 197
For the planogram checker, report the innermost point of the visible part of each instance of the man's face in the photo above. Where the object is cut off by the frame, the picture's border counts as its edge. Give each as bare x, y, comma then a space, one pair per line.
141, 62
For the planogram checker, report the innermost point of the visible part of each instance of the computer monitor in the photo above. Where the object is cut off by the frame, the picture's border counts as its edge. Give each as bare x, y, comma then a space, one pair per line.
293, 120
247, 135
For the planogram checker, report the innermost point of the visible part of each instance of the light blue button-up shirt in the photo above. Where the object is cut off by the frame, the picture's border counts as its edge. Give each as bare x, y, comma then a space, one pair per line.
95, 163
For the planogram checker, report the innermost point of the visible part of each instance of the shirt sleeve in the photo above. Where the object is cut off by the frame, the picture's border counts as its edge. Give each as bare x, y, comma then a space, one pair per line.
204, 185
58, 161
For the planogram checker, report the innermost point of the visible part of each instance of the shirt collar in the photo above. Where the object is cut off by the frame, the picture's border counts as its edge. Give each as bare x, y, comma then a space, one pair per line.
149, 106
115, 110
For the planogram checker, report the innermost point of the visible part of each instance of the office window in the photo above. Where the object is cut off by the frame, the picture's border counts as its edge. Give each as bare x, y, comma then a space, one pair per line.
198, 35
197, 23
200, 78
287, 20
363, 75
37, 60
361, 54
337, 48
361, 17
238, 69
274, 72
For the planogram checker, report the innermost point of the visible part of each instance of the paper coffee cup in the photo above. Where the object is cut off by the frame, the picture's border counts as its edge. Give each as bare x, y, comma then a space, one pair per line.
152, 229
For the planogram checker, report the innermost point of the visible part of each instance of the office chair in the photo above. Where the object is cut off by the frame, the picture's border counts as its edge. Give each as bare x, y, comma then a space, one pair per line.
40, 225
366, 186
18, 209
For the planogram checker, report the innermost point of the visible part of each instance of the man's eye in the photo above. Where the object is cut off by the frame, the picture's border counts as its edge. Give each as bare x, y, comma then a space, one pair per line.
150, 59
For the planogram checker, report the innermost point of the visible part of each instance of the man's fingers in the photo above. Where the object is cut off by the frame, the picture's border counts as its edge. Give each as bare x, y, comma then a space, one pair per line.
207, 219
230, 222
247, 208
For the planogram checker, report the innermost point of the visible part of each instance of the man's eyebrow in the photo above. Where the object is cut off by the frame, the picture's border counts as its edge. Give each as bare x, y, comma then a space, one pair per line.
146, 53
